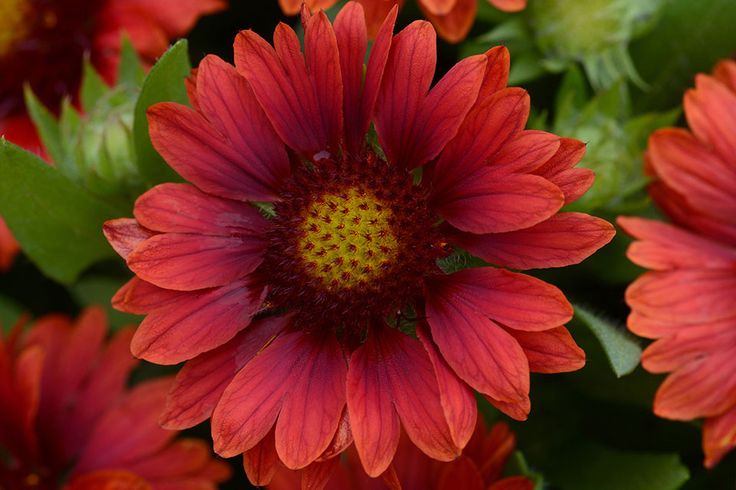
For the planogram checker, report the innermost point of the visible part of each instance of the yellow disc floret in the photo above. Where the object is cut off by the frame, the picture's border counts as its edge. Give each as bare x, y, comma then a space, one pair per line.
13, 25
348, 239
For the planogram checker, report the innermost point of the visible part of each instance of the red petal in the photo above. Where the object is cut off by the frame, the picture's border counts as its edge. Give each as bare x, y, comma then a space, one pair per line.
439, 7
689, 296
406, 81
323, 65
454, 25
725, 72
485, 202
517, 410
124, 235
199, 153
443, 111
182, 208
527, 152
551, 351
377, 61
703, 388
376, 12
261, 461
140, 297
108, 479
710, 110
277, 381
317, 475
111, 372
693, 170
373, 419
180, 459
283, 88
129, 431
497, 73
564, 239
479, 351
196, 322
489, 126
432, 121
458, 401
392, 367
201, 382
509, 5
186, 262
685, 344
352, 42
719, 437
230, 105
664, 246
515, 300
461, 473
304, 432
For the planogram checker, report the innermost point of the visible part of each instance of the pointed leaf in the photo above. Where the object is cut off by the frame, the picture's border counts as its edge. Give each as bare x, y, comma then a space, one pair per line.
621, 347
164, 83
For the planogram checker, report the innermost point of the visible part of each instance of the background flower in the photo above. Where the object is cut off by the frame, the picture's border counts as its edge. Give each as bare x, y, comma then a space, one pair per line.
686, 301
480, 467
452, 18
70, 421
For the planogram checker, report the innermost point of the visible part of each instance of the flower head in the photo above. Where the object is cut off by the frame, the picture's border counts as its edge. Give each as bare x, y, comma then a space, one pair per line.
452, 18
299, 272
686, 301
70, 422
43, 43
480, 467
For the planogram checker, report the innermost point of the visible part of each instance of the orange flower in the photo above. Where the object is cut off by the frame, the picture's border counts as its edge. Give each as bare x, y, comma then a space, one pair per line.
452, 18
687, 301
70, 422
479, 468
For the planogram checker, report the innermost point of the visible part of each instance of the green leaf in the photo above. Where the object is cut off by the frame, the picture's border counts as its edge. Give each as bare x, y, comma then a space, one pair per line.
10, 312
586, 466
689, 38
99, 290
93, 86
621, 347
58, 223
46, 124
130, 70
164, 83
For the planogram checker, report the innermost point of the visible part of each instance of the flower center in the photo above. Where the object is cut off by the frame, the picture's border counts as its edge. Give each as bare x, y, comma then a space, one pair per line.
348, 239
13, 24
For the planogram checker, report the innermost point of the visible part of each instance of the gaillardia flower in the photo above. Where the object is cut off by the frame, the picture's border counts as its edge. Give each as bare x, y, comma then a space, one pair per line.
68, 420
43, 44
479, 468
452, 18
298, 272
686, 302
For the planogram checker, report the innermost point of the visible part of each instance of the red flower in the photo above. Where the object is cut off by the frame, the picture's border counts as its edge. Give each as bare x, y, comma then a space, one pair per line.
69, 421
452, 18
43, 43
479, 468
687, 301
346, 264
